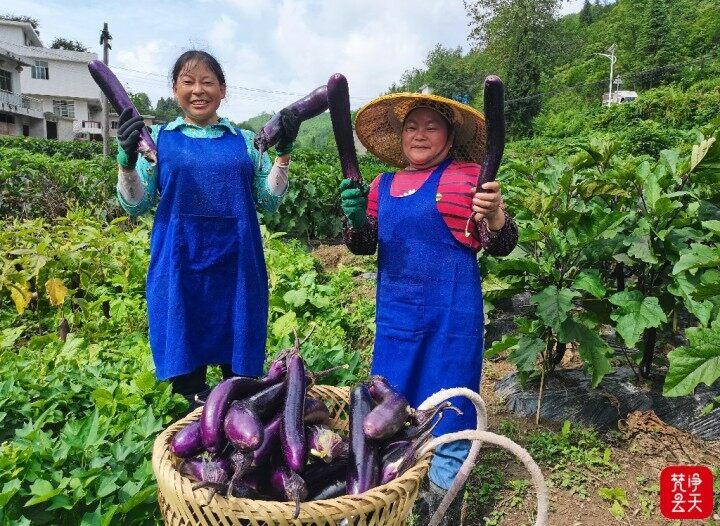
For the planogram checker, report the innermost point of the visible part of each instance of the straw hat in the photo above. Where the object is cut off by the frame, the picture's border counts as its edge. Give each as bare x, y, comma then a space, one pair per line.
378, 125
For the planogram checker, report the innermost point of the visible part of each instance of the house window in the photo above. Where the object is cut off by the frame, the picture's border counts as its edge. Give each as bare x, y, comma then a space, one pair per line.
5, 80
7, 119
40, 70
114, 125
64, 108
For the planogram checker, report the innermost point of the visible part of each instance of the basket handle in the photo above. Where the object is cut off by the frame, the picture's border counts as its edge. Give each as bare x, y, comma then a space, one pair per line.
478, 436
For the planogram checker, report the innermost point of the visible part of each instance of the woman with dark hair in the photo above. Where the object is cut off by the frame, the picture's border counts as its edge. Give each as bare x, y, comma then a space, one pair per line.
427, 222
207, 288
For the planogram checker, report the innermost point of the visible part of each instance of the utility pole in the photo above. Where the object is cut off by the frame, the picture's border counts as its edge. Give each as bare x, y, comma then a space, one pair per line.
611, 55
105, 39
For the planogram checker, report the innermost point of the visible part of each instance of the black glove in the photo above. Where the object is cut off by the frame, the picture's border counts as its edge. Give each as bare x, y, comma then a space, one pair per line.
290, 123
129, 128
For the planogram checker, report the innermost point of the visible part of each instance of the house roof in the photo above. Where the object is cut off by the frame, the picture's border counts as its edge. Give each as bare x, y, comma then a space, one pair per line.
5, 53
53, 54
27, 29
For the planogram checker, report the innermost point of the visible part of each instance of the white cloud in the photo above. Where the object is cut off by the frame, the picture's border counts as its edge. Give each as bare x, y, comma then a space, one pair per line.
223, 31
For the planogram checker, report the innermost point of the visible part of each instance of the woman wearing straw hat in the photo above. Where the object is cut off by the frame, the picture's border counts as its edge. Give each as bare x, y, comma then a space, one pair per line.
428, 222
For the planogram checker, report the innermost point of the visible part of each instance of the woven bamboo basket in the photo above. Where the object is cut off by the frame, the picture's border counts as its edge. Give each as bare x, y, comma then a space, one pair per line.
387, 505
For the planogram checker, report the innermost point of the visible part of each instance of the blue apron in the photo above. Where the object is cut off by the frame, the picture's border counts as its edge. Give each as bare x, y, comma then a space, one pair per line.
207, 288
429, 313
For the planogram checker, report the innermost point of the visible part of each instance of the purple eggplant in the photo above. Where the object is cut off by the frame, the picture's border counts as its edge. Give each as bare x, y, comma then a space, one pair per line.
288, 485
319, 477
187, 442
271, 437
422, 420
267, 401
277, 369
332, 490
494, 106
207, 473
364, 458
292, 433
311, 105
390, 415
118, 97
338, 97
400, 455
243, 428
316, 412
217, 405
324, 443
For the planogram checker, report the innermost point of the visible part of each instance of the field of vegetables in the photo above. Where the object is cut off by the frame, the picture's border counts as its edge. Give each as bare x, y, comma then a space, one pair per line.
610, 243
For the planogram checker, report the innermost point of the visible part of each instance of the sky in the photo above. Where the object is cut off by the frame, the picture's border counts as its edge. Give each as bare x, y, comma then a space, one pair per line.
272, 51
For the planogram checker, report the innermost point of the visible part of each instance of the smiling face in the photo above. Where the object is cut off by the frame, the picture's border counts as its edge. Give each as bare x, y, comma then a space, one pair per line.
426, 139
199, 93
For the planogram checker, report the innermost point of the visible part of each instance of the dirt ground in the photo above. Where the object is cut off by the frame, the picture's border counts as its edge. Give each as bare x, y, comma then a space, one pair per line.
640, 449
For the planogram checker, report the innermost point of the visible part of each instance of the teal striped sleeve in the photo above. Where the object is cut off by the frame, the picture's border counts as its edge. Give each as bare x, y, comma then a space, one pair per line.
148, 177
264, 200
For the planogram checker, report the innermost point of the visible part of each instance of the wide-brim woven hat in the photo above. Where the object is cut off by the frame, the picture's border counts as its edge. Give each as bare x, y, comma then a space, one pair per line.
379, 123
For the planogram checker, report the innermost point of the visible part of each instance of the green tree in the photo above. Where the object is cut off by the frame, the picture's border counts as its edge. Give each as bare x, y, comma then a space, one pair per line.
70, 45
167, 109
586, 13
142, 102
521, 35
654, 41
22, 18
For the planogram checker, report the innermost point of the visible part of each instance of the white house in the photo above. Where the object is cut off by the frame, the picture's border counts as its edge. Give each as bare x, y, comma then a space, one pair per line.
58, 80
618, 97
19, 115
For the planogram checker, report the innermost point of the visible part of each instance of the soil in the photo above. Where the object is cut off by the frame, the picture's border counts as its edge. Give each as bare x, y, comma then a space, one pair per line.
641, 447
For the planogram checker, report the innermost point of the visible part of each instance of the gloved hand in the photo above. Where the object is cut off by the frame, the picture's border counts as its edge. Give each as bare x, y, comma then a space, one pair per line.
129, 128
290, 122
354, 202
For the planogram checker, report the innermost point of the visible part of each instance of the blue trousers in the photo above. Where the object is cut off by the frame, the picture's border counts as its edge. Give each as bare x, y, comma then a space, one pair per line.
446, 462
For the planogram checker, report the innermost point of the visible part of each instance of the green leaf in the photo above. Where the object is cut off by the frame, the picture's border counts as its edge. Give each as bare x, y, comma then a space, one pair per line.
8, 337
42, 491
554, 305
651, 189
617, 510
699, 256
107, 486
296, 298
508, 342
593, 350
525, 356
713, 225
284, 325
636, 315
591, 282
697, 363
8, 490
699, 152
641, 249
684, 286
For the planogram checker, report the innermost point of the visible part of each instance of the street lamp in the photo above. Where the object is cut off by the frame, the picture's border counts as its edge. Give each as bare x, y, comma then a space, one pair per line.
611, 55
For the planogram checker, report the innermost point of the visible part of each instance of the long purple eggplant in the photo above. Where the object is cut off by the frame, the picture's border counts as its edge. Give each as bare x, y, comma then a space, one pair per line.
364, 459
316, 411
118, 97
332, 489
277, 369
292, 434
390, 415
267, 401
271, 437
187, 442
338, 97
311, 105
289, 485
494, 106
318, 475
243, 428
216, 407
400, 455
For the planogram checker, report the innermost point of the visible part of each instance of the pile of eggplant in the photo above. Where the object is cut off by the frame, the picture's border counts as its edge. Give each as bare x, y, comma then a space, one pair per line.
266, 439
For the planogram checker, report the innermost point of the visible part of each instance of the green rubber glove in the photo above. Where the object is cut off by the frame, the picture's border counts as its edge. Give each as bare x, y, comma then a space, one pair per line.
354, 202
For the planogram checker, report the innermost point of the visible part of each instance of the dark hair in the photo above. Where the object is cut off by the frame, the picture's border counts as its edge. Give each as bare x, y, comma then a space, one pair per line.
202, 57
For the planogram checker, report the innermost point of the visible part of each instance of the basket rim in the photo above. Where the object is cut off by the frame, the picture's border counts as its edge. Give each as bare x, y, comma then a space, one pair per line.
162, 463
